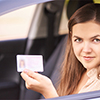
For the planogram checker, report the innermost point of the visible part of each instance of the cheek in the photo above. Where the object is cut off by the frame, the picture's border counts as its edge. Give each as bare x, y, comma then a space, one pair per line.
96, 49
97, 52
76, 50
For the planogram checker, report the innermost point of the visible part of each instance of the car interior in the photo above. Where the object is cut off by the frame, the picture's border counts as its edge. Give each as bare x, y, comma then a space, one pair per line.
44, 37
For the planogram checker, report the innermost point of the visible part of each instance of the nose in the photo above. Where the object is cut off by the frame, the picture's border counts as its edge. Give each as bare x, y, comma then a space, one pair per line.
87, 47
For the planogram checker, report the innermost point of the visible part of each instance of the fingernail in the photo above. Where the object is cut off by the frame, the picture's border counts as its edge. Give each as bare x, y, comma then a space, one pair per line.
25, 71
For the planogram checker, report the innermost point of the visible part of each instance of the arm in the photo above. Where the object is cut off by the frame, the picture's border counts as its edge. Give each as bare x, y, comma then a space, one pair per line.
39, 83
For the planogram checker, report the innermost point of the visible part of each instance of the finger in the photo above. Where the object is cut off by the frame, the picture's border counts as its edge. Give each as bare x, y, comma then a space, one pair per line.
33, 75
29, 73
29, 79
25, 76
29, 82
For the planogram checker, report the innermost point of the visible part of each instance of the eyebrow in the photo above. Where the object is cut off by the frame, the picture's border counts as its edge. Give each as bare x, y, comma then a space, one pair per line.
95, 36
90, 38
76, 36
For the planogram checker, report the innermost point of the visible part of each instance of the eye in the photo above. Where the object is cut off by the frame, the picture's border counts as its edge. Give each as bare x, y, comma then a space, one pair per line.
78, 40
96, 40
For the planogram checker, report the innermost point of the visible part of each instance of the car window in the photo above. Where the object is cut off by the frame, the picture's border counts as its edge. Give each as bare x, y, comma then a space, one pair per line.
16, 24
63, 29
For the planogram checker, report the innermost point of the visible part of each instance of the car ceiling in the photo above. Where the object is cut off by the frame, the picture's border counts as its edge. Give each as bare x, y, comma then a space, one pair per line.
10, 5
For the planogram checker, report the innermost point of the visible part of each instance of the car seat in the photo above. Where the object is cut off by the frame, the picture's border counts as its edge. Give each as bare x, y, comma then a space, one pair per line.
52, 68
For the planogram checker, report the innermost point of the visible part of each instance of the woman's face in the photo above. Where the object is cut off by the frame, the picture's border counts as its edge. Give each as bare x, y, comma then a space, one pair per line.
86, 43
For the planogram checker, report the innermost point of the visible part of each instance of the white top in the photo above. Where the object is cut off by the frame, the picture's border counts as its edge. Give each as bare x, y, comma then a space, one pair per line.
93, 83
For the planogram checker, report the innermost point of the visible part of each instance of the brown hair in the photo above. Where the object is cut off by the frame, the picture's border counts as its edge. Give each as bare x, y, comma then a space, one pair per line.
73, 70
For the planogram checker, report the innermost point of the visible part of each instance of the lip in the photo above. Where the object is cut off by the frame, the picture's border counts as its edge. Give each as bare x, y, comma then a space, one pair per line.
88, 58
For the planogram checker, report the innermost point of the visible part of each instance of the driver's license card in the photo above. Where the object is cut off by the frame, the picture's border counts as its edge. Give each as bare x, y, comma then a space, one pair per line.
32, 62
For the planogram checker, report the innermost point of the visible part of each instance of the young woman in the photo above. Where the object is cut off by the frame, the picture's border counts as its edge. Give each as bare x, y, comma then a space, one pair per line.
81, 67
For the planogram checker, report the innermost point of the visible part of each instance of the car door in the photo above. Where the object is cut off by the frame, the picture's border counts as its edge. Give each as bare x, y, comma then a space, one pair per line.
19, 35
14, 28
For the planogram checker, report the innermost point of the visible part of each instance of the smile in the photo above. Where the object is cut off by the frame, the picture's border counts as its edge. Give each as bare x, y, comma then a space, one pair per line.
88, 58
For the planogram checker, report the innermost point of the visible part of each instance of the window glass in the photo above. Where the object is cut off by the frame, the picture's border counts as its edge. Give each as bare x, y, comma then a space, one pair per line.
16, 24
63, 29
96, 1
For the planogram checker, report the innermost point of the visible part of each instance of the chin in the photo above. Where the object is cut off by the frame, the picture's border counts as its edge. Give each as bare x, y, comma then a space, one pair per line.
88, 66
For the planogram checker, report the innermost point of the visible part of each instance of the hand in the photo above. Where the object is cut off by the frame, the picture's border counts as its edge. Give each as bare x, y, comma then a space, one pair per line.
39, 83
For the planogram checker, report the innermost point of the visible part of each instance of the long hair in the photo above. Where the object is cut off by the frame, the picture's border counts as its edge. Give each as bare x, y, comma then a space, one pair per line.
72, 69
